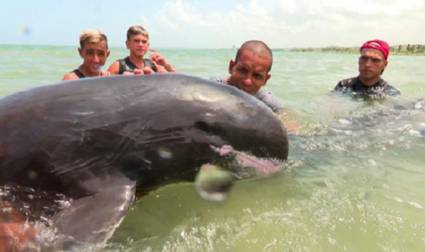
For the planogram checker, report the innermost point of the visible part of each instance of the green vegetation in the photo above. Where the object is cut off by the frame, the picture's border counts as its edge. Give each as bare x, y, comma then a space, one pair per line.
395, 50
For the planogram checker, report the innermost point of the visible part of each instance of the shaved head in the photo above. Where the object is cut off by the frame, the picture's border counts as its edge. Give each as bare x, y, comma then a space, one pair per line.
257, 47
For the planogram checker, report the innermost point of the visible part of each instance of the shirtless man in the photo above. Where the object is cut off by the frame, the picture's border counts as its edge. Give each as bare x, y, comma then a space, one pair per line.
138, 44
94, 51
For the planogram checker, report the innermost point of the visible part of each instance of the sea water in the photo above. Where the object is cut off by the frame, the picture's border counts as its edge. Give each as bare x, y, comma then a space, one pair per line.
343, 189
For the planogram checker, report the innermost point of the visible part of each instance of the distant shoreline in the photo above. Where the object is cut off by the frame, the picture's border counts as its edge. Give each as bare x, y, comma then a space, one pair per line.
409, 49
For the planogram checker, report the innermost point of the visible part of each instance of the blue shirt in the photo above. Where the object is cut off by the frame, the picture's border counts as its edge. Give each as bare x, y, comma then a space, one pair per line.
265, 96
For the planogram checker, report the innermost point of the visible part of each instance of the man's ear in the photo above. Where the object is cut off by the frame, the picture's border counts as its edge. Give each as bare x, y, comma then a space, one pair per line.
231, 65
386, 63
80, 51
126, 44
267, 77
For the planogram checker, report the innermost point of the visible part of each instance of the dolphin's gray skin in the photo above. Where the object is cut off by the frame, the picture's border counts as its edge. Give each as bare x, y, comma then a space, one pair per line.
97, 140
372, 129
395, 118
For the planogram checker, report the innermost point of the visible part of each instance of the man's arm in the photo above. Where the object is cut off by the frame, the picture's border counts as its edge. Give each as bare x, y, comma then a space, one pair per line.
339, 86
114, 68
392, 91
345, 85
288, 120
270, 100
286, 117
161, 63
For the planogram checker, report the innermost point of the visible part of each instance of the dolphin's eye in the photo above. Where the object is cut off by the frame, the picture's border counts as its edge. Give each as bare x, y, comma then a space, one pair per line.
210, 129
202, 126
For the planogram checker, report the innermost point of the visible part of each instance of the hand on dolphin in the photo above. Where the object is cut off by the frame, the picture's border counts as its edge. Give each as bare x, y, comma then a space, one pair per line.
16, 234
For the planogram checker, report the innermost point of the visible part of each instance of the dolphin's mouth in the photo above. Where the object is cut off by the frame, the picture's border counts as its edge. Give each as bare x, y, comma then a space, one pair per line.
245, 165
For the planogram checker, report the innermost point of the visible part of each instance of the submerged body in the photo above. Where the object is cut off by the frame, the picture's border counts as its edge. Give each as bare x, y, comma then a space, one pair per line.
97, 140
357, 89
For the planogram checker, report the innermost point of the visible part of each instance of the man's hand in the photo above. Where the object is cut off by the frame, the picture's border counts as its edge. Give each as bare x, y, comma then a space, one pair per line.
104, 73
161, 62
292, 126
137, 71
16, 233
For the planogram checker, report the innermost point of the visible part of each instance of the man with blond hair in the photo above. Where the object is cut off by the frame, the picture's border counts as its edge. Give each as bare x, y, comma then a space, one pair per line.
94, 51
138, 44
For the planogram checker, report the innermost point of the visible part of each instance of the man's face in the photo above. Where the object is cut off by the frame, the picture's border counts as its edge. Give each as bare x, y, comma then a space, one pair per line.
250, 72
94, 56
138, 45
371, 64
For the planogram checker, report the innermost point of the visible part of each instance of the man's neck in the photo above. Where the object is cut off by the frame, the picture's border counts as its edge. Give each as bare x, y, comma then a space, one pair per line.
86, 71
369, 82
137, 61
226, 80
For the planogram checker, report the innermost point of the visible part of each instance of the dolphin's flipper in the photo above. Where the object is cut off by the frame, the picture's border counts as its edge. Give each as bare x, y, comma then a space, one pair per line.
93, 219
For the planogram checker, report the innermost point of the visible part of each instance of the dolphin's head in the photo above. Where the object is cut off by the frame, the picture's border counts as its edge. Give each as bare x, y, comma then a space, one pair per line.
199, 121
227, 116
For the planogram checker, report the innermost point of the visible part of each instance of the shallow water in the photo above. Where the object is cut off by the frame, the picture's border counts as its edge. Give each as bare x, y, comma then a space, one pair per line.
344, 189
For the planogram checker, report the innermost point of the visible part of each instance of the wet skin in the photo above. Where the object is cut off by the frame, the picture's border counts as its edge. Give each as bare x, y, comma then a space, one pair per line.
250, 72
94, 56
371, 64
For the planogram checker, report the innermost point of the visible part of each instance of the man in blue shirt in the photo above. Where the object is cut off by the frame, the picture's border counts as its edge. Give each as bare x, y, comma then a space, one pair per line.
250, 71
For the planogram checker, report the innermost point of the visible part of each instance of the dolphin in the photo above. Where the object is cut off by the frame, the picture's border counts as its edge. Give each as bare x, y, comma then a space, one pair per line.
393, 118
83, 149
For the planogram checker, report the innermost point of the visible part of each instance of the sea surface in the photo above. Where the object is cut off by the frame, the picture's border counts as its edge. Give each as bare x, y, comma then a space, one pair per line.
355, 177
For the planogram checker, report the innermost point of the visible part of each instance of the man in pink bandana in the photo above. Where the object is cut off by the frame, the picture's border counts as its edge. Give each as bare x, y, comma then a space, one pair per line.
372, 62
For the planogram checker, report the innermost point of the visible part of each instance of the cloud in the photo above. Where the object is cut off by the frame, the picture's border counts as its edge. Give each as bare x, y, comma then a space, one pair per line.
240, 22
321, 8
289, 23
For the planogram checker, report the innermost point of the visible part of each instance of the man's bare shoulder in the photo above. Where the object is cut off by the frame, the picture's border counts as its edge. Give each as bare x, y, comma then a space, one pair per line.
70, 76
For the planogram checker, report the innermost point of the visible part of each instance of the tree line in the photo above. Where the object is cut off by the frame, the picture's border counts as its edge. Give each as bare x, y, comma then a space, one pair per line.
413, 49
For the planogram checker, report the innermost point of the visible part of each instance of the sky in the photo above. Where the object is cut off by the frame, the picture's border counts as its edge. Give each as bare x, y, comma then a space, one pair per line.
216, 23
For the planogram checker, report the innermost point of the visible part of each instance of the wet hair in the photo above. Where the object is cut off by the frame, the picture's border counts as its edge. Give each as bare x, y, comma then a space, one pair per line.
92, 36
136, 30
257, 46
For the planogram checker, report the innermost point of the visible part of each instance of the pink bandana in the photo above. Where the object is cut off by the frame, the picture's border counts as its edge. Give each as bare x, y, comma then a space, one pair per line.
379, 45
